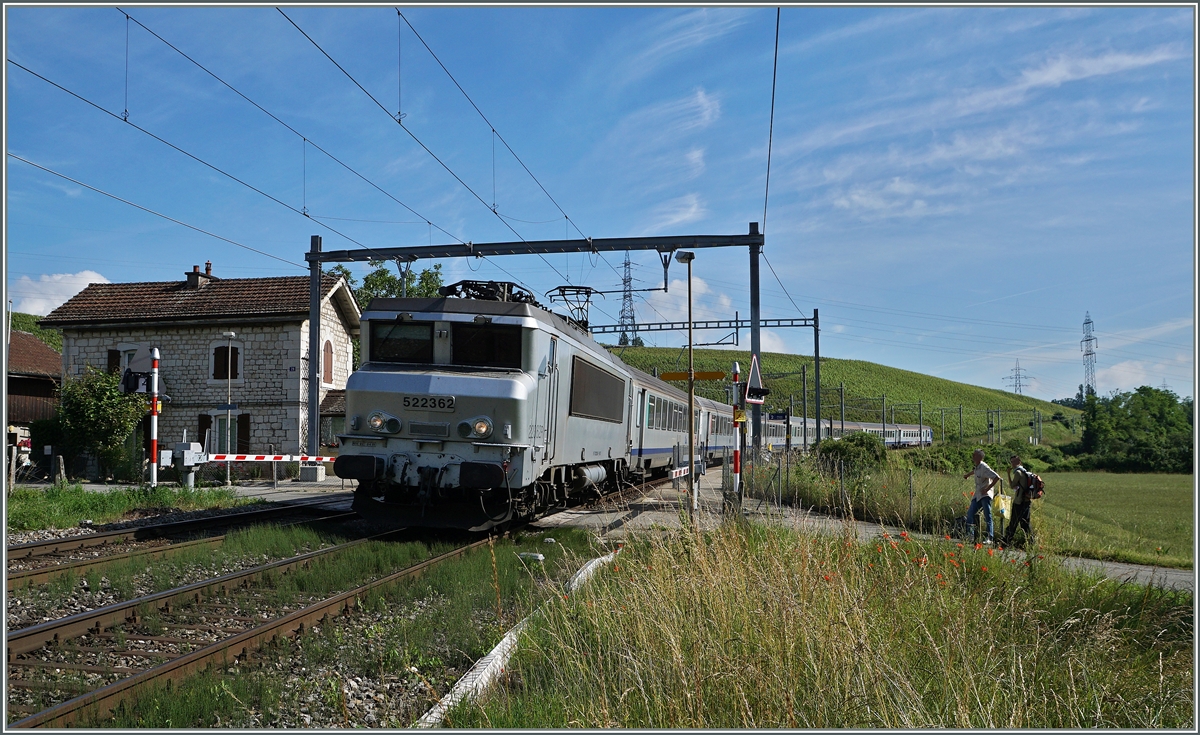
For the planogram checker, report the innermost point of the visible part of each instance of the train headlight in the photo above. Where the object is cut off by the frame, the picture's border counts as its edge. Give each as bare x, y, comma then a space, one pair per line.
384, 424
477, 428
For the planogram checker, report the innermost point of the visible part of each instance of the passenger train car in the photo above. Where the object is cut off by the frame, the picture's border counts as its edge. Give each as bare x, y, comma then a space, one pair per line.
477, 411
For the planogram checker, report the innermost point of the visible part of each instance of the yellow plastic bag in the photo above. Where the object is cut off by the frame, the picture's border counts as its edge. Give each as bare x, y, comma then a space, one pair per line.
1002, 504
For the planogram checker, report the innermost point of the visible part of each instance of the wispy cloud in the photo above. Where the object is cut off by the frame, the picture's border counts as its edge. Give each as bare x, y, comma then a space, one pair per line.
671, 36
1061, 70
880, 22
660, 145
679, 211
49, 292
897, 197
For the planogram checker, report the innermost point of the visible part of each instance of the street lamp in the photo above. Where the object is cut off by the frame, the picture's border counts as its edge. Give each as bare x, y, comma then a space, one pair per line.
228, 401
686, 256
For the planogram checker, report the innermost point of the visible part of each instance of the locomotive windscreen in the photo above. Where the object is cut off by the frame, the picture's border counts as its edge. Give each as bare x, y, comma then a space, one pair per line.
401, 342
595, 393
487, 345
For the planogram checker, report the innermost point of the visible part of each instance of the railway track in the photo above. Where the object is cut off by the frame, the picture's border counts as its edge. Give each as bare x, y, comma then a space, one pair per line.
37, 561
86, 664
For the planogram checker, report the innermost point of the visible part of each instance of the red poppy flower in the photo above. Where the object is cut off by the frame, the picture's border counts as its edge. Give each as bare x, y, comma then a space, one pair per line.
983, 568
991, 552
978, 547
827, 577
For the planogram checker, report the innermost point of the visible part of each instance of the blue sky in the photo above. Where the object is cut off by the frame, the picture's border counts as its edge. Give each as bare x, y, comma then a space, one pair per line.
953, 188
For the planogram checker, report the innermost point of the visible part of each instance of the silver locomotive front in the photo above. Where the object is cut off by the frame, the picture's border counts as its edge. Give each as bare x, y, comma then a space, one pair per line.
437, 431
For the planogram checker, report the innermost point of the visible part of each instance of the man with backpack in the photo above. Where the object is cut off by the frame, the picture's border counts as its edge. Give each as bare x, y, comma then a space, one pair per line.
1021, 481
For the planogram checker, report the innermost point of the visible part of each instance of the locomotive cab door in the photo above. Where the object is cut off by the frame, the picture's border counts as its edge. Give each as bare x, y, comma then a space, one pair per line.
551, 399
639, 422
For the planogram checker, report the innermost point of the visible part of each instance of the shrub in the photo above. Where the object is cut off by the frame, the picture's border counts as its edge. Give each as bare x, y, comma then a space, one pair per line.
95, 416
859, 449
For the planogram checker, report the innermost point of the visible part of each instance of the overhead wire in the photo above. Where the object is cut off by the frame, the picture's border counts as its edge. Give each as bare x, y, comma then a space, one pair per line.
414, 137
156, 214
495, 132
194, 157
268, 113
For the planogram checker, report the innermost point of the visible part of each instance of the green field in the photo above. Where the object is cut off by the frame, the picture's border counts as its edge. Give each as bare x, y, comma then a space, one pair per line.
1144, 519
865, 384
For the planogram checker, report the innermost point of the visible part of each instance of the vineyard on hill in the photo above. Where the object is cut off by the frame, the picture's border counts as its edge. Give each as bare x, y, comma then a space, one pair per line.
866, 384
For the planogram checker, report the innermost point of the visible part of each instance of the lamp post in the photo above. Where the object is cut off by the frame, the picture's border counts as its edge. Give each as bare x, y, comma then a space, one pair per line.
685, 256
228, 401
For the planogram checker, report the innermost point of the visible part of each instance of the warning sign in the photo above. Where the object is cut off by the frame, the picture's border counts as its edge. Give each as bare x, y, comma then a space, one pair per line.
755, 392
739, 415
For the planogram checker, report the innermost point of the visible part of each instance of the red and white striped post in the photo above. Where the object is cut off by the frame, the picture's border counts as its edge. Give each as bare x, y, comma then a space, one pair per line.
737, 433
153, 417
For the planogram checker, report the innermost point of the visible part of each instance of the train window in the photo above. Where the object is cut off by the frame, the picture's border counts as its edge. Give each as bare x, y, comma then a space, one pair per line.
402, 342
486, 345
596, 393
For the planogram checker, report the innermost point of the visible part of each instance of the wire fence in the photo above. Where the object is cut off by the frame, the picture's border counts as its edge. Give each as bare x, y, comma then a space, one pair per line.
877, 492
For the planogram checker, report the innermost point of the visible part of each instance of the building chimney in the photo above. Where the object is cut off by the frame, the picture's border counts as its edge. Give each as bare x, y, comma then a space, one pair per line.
196, 279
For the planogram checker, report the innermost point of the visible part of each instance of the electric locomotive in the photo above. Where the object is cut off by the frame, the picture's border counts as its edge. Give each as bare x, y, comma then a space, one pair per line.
473, 412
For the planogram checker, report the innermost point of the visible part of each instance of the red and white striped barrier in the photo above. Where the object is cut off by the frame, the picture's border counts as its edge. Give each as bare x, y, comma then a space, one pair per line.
681, 472
267, 458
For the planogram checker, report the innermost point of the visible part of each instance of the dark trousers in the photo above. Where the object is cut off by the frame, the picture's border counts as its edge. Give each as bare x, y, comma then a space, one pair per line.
1020, 518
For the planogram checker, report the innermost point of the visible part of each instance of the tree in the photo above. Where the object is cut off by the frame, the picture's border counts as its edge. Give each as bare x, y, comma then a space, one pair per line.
1078, 402
381, 283
1147, 430
95, 416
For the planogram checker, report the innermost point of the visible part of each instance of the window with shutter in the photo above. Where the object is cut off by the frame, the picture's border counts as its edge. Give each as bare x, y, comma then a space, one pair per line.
114, 361
328, 363
225, 363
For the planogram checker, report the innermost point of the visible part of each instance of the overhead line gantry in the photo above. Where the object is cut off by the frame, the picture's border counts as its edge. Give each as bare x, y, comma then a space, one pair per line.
665, 246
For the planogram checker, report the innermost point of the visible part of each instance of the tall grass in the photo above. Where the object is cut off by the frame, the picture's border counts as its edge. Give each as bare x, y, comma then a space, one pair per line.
763, 627
64, 507
879, 494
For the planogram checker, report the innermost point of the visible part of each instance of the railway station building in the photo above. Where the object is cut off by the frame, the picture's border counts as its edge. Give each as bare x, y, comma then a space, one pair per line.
262, 368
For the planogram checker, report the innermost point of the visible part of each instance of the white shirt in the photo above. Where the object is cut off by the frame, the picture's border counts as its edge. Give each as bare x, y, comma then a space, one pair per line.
983, 475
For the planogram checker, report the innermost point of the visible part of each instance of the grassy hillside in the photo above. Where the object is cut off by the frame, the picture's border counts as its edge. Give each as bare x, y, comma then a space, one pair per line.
28, 323
865, 384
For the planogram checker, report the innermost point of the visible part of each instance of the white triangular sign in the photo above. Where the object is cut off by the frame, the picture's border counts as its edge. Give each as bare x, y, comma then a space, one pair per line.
755, 393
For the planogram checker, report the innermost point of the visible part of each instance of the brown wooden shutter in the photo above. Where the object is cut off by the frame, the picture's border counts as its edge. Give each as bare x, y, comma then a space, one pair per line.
243, 433
233, 366
328, 361
219, 362
205, 426
114, 361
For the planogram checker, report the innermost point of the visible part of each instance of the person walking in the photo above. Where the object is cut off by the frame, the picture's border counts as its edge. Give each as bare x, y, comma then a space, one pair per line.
1018, 480
985, 482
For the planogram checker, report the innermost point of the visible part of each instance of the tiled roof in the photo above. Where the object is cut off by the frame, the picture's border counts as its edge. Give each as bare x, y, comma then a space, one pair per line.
174, 300
334, 402
28, 355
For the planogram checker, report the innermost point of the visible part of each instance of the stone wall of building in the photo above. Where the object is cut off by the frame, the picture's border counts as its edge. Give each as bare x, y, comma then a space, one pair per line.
271, 384
333, 331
